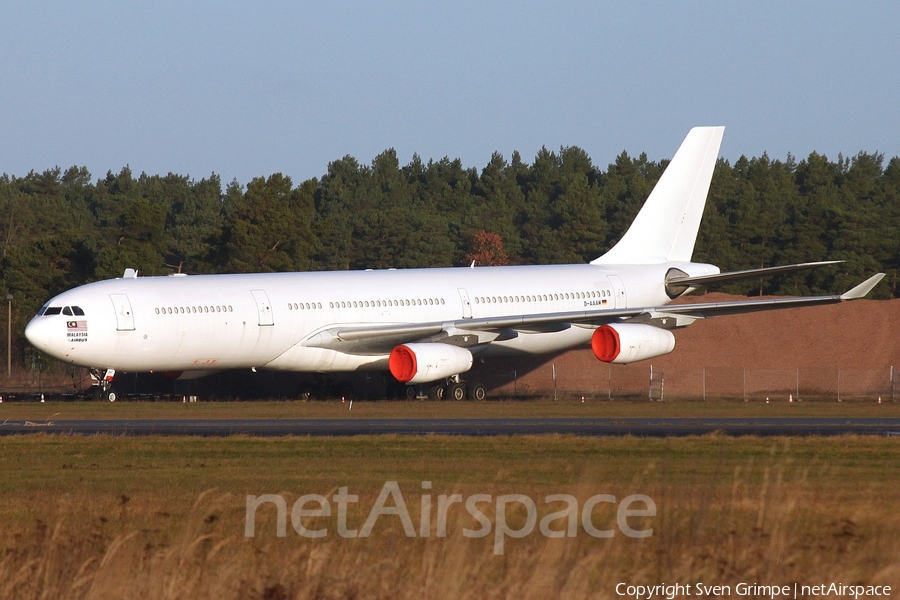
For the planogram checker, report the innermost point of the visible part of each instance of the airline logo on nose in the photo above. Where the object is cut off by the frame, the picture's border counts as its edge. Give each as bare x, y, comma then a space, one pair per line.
76, 331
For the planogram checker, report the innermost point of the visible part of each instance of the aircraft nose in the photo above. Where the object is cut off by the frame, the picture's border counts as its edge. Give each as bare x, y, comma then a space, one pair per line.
39, 332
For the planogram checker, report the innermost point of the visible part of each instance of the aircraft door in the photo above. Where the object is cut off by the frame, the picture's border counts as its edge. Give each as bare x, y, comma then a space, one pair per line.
264, 307
466, 304
124, 316
619, 291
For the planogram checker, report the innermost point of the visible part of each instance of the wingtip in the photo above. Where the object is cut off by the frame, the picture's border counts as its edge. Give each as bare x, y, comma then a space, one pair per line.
863, 289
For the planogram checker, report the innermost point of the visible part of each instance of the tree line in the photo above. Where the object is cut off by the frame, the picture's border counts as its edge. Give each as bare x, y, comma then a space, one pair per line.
60, 229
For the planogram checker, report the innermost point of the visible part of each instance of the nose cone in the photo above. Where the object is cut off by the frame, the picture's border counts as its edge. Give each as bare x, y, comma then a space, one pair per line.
40, 332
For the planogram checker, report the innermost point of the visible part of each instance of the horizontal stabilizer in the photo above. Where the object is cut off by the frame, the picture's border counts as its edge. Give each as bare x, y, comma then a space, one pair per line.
677, 282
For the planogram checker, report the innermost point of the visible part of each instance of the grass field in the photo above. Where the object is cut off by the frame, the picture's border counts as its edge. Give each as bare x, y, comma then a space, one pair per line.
419, 409
105, 517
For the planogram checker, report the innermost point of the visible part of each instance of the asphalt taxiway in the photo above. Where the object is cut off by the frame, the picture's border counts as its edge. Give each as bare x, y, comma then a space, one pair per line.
593, 427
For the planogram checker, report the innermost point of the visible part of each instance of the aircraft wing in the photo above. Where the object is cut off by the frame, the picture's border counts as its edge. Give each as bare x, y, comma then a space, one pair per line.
365, 339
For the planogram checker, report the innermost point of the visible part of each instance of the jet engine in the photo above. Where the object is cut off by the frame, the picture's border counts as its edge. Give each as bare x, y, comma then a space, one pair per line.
624, 343
422, 363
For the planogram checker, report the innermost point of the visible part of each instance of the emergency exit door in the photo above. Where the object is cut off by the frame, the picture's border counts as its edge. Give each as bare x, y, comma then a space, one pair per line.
264, 307
124, 316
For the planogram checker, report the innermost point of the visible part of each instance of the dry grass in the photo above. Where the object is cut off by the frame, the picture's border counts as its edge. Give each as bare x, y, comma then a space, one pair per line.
155, 518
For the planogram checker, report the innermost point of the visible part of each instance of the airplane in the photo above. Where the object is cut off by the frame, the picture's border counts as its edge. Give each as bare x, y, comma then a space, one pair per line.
426, 327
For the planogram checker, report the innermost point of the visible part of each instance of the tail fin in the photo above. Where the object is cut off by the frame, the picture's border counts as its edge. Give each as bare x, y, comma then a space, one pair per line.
665, 229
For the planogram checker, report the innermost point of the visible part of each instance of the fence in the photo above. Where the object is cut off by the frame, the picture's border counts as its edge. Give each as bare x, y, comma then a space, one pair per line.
574, 376
711, 383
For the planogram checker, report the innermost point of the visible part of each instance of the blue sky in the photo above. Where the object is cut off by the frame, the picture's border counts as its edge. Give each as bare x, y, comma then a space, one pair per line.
249, 89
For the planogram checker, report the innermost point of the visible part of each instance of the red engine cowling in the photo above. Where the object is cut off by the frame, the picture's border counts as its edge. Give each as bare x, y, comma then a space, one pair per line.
422, 363
624, 343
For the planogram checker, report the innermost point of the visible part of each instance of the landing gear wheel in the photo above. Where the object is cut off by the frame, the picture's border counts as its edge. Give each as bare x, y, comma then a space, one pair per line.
437, 392
345, 391
305, 391
477, 392
410, 392
392, 391
110, 395
456, 391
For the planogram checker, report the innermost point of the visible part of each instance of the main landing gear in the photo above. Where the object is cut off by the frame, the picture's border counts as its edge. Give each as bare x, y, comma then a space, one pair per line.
451, 389
323, 389
102, 388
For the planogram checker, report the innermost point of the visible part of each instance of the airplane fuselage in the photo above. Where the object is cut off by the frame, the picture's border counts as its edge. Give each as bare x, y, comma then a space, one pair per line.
214, 322
426, 326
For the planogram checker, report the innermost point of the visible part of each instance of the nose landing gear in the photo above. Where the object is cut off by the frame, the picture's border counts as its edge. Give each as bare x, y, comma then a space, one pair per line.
102, 388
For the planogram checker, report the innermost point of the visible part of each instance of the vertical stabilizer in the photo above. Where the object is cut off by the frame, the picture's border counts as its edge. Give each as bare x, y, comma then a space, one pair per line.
665, 229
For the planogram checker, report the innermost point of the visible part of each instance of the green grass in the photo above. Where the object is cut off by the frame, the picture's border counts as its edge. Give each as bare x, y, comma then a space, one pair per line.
419, 409
164, 517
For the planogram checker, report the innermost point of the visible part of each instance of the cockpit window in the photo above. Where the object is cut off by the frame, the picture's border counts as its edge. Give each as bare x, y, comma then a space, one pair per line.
67, 311
77, 310
53, 310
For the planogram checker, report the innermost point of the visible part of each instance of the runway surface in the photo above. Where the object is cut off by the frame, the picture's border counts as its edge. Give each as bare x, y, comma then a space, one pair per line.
640, 427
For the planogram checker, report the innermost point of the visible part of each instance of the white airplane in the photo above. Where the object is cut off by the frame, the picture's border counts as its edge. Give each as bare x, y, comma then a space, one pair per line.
425, 326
